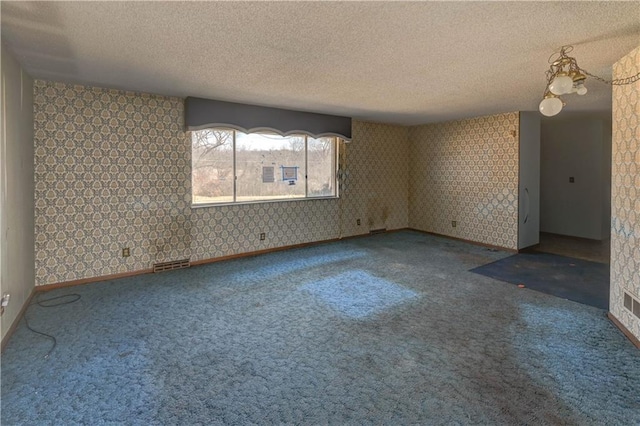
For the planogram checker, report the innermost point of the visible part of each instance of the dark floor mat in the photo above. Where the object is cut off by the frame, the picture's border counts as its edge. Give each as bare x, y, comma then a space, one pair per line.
574, 279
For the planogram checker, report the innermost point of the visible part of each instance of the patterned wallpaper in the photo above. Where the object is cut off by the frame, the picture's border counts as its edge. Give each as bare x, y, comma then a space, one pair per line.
112, 170
625, 192
466, 171
377, 179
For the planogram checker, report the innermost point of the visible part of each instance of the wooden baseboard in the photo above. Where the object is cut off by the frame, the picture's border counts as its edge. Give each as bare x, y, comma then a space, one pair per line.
276, 249
16, 321
475, 243
264, 251
49, 287
624, 330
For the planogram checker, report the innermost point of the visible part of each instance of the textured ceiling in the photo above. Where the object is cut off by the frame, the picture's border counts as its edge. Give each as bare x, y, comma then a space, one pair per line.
397, 62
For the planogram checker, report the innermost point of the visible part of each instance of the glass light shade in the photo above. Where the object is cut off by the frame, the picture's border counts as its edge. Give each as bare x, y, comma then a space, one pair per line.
561, 84
550, 106
581, 89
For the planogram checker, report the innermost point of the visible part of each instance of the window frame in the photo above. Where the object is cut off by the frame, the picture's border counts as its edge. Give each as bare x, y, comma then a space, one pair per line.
335, 169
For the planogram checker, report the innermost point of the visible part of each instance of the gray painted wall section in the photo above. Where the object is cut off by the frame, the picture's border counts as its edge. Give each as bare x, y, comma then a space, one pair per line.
575, 147
606, 179
17, 188
529, 185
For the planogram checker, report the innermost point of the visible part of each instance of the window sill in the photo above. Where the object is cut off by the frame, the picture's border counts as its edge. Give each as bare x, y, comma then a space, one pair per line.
279, 200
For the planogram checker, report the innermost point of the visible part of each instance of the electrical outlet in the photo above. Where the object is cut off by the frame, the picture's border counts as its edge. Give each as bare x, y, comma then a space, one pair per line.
126, 252
5, 299
454, 223
358, 222
263, 236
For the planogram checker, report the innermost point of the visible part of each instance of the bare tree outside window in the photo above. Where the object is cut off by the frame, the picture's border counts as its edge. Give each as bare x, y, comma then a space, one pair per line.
212, 165
205, 142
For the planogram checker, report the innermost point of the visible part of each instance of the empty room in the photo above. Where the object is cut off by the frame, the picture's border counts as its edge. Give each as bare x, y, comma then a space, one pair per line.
320, 213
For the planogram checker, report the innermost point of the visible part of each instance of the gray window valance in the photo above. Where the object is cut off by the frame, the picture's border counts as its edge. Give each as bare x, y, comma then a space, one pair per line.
207, 113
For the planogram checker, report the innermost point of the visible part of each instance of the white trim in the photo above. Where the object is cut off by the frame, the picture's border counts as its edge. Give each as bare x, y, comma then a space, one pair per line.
229, 126
278, 200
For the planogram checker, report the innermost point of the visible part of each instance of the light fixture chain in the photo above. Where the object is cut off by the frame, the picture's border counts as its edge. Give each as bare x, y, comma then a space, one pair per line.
617, 82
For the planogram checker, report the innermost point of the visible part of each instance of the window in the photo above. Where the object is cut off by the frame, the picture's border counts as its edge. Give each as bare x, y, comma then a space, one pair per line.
229, 166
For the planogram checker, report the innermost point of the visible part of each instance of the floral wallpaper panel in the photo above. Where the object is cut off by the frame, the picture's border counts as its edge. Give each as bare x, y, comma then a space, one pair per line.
466, 171
625, 192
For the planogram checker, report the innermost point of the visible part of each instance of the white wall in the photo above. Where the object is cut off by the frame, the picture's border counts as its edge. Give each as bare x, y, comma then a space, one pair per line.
529, 180
575, 147
16, 189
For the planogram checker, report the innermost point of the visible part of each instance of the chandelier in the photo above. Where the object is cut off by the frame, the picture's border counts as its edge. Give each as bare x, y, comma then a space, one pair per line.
565, 77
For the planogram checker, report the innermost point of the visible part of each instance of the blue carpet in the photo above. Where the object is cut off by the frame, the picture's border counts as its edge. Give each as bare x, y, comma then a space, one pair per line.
388, 329
578, 280
358, 294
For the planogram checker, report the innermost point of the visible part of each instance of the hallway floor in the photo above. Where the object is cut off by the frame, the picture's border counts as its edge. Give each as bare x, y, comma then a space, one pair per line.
580, 248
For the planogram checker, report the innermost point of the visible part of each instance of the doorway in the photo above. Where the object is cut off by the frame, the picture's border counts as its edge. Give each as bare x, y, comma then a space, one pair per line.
575, 186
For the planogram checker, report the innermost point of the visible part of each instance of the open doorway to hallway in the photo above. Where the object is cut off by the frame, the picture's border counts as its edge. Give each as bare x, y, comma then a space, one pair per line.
575, 186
